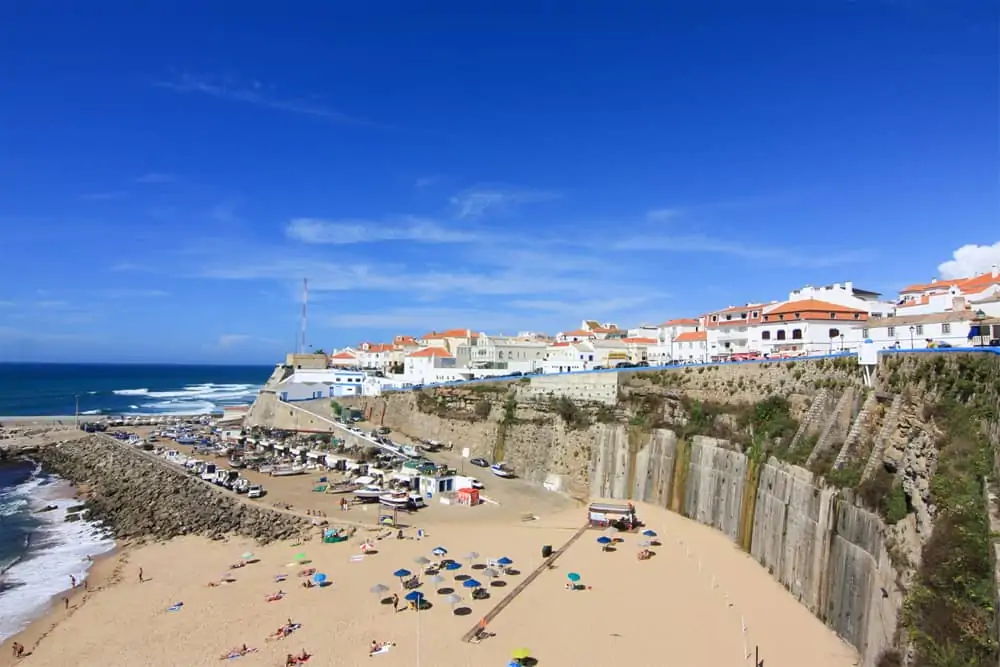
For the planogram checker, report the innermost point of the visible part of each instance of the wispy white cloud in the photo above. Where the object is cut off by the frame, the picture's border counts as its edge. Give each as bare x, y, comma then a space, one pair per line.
347, 232
156, 178
260, 95
478, 201
970, 260
229, 340
104, 196
784, 256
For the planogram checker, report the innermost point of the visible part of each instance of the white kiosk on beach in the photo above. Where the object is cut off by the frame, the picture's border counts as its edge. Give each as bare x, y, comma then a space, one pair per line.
868, 360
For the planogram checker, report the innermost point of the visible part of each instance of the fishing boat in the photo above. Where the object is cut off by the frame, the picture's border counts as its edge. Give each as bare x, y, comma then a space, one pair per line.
235, 462
502, 470
286, 471
401, 499
346, 487
368, 493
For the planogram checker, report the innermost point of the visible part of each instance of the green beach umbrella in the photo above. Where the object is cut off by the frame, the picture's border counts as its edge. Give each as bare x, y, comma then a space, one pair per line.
299, 556
520, 653
247, 555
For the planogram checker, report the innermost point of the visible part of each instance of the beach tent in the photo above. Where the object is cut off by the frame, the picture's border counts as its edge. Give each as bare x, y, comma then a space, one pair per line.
468, 496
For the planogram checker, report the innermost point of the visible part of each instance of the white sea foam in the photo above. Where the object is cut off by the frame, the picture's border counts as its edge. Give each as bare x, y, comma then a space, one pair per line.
91, 412
131, 392
58, 550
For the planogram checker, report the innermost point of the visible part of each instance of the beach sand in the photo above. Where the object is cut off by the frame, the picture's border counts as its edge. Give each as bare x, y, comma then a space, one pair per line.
659, 612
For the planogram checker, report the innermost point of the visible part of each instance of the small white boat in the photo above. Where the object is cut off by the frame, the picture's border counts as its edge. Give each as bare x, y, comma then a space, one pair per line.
502, 470
285, 471
401, 499
369, 492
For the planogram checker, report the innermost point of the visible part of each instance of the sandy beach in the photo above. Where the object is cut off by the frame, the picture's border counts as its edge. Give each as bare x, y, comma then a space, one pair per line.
663, 611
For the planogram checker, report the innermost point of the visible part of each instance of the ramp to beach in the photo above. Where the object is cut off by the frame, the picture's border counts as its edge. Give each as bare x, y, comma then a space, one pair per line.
546, 564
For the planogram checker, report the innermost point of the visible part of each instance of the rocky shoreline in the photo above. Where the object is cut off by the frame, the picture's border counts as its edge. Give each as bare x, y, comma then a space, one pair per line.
137, 496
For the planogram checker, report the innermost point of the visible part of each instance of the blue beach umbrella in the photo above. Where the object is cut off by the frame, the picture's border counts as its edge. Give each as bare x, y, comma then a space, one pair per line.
649, 533
401, 572
452, 565
471, 583
504, 561
604, 540
319, 578
414, 596
573, 576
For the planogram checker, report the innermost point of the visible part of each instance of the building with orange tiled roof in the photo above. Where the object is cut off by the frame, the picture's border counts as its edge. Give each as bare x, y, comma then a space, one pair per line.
432, 364
943, 296
345, 358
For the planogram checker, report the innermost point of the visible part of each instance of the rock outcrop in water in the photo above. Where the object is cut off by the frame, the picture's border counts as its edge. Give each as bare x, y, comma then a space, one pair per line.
137, 495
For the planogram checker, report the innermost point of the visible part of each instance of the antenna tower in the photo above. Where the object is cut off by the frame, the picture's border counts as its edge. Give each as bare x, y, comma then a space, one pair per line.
305, 314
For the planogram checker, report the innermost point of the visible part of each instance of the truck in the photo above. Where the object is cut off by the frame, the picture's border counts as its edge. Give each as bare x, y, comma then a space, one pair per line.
255, 491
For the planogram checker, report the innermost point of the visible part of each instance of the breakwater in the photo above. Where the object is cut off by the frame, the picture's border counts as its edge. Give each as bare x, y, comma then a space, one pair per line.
827, 551
137, 495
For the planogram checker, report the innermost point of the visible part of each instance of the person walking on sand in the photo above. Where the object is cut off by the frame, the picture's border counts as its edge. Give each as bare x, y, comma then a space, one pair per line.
141, 579
72, 581
395, 602
66, 602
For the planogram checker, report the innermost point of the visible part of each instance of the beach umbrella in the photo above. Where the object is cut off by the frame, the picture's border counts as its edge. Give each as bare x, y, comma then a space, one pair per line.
439, 551
247, 555
378, 589
520, 653
452, 599
414, 596
573, 576
435, 579
471, 556
649, 533
422, 560
504, 561
401, 572
610, 530
319, 578
452, 565
471, 583
645, 543
604, 540
491, 573
299, 556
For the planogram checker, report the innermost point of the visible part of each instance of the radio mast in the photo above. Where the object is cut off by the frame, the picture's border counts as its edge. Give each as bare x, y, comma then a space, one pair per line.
305, 314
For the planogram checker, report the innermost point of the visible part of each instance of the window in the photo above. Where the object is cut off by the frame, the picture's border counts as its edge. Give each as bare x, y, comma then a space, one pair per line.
796, 334
781, 335
891, 332
715, 318
754, 314
766, 335
833, 316
920, 329
864, 333
946, 328
834, 333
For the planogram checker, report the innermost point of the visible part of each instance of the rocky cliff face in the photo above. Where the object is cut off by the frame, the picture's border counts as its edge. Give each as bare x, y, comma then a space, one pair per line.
136, 495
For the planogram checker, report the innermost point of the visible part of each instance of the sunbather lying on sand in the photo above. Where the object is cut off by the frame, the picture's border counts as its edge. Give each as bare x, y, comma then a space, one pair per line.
308, 572
274, 597
284, 631
292, 660
378, 647
236, 566
645, 554
237, 652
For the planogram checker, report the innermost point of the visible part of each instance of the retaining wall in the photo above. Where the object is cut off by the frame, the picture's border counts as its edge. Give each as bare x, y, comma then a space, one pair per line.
827, 551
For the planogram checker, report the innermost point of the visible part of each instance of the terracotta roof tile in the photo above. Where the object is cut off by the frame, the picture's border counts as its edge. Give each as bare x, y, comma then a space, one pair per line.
428, 352
691, 337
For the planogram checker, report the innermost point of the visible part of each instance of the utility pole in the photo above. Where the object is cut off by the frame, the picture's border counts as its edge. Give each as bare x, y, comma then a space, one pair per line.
77, 417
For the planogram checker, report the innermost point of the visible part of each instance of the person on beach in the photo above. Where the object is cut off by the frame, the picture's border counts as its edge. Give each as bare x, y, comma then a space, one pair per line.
72, 581
395, 602
141, 579
66, 603
17, 650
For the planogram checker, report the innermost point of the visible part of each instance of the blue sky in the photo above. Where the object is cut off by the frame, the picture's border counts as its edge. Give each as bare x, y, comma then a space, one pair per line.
170, 173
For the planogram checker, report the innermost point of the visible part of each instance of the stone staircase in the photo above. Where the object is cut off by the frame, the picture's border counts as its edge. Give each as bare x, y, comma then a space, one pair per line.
812, 417
861, 423
829, 428
888, 426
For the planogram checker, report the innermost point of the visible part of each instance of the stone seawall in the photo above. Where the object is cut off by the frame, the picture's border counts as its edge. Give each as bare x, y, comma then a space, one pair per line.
824, 549
138, 495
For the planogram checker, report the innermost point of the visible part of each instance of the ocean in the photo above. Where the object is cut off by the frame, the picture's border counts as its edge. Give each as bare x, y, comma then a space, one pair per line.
39, 551
125, 389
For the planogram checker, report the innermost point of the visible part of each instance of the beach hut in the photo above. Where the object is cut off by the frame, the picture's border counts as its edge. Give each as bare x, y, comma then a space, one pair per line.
467, 496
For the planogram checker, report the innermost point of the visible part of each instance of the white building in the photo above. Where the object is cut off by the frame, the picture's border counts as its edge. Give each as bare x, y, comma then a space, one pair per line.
310, 384
732, 332
846, 294
689, 347
907, 332
431, 365
511, 353
375, 356
808, 327
346, 358
564, 357
941, 296
670, 347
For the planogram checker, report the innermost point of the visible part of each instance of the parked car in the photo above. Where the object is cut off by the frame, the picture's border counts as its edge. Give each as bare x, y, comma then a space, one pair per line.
482, 463
476, 484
